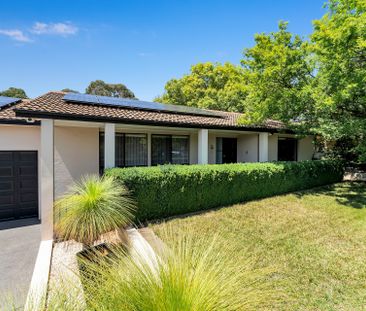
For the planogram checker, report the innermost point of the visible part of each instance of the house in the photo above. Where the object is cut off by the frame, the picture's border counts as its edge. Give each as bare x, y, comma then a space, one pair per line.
53, 140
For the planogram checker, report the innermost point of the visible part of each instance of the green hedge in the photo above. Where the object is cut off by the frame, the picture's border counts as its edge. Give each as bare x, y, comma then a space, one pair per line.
168, 190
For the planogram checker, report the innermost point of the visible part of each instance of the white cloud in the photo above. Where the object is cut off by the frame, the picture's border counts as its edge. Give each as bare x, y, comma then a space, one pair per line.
61, 29
15, 34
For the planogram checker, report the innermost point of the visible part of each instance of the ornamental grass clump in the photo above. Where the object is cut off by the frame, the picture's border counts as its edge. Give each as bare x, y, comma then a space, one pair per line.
190, 275
92, 207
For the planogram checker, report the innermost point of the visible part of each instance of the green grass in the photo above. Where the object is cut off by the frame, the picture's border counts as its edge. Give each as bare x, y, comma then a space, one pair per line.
315, 240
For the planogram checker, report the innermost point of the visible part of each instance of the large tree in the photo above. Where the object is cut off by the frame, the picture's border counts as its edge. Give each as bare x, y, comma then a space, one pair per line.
14, 92
320, 83
210, 86
279, 71
339, 44
101, 88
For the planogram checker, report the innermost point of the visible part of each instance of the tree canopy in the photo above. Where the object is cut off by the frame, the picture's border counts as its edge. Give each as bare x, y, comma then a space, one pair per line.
14, 92
67, 90
99, 87
314, 84
209, 85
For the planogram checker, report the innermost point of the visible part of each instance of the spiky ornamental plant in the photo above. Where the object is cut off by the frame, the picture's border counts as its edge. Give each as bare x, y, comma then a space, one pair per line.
189, 275
92, 207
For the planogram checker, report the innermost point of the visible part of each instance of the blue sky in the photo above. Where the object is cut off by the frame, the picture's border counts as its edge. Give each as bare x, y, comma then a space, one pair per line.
50, 45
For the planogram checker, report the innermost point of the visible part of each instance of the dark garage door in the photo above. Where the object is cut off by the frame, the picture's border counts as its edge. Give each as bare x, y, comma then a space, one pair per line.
18, 184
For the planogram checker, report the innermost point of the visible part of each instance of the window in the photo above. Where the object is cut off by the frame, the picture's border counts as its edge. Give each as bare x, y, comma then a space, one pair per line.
169, 149
135, 150
130, 150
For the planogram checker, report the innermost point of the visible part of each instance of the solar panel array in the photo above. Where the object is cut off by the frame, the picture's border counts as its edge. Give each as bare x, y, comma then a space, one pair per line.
137, 105
5, 101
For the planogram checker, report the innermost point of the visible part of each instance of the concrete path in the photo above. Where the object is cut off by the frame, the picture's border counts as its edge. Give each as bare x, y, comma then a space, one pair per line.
19, 243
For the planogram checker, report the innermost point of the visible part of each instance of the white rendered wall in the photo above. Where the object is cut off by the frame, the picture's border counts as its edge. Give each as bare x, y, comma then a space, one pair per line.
76, 155
305, 148
273, 147
247, 148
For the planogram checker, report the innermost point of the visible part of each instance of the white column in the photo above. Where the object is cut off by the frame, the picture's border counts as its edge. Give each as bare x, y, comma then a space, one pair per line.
263, 147
109, 145
148, 149
47, 179
203, 146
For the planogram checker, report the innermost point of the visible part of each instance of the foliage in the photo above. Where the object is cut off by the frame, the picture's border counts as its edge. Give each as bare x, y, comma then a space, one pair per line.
211, 86
168, 190
14, 92
186, 277
319, 82
315, 239
339, 44
279, 70
93, 206
67, 90
99, 87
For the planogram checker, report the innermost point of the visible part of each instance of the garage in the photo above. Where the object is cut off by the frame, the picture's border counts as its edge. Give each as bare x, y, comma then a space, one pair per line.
18, 184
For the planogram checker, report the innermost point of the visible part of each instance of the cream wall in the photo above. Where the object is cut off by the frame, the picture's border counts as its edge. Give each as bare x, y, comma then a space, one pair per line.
273, 147
305, 148
76, 154
247, 150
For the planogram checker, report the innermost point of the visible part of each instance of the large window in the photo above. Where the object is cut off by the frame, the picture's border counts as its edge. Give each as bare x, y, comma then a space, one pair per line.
169, 149
130, 150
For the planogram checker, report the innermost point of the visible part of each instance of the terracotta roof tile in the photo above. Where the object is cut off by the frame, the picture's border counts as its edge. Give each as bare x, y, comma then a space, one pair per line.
53, 105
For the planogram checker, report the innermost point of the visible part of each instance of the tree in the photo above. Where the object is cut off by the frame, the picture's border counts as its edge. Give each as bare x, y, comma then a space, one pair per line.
320, 82
99, 87
67, 90
280, 71
339, 43
14, 92
211, 86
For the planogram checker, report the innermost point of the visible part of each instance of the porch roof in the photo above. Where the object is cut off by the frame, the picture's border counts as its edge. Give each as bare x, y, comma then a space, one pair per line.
52, 106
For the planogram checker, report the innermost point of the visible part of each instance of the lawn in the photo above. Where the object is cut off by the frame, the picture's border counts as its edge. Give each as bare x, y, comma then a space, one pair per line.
315, 240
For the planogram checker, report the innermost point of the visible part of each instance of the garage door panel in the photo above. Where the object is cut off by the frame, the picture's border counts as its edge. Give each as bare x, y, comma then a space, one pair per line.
6, 156
28, 197
6, 186
6, 171
18, 184
27, 171
7, 199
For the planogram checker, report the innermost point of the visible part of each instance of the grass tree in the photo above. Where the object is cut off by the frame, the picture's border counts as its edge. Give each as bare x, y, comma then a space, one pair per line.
92, 207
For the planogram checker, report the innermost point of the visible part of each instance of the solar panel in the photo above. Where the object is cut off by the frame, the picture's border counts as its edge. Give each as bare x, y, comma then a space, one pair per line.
138, 105
5, 101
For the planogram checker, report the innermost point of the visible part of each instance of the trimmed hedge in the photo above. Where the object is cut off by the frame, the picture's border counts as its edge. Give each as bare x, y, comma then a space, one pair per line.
168, 190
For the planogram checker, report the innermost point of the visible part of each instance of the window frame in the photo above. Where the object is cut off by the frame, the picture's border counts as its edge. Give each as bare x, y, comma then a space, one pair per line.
170, 160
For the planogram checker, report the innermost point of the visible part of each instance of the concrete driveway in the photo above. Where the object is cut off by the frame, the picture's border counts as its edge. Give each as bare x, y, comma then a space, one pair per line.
19, 243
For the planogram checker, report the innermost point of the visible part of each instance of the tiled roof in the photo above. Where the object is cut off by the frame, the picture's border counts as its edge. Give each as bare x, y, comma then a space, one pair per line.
7, 114
52, 105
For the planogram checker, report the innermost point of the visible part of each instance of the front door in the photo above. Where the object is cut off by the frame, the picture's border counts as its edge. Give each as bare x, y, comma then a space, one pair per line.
226, 150
287, 149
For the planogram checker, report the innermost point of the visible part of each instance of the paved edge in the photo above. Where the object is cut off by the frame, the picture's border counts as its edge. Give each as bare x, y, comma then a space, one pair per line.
37, 293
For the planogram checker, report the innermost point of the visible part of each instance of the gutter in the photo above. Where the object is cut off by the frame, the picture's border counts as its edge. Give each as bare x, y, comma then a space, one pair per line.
73, 117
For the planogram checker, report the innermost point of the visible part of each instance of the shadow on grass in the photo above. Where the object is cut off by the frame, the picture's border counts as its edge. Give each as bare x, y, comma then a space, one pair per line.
352, 194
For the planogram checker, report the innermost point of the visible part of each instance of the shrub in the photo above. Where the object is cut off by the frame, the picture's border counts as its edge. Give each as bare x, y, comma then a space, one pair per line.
92, 207
168, 190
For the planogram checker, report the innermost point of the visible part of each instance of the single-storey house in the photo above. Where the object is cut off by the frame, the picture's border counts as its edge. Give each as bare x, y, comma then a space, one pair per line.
50, 141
